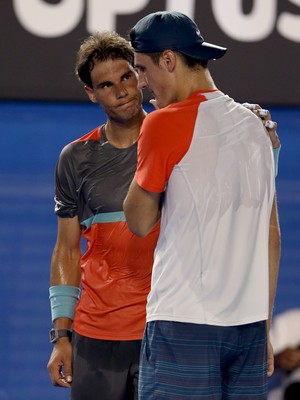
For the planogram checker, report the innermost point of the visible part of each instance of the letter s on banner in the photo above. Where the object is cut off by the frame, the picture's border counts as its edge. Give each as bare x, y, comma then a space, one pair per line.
103, 17
245, 27
49, 20
288, 25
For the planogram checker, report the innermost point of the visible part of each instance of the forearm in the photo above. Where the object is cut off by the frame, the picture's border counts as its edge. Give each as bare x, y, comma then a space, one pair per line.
64, 286
63, 323
65, 273
274, 258
65, 261
65, 266
142, 209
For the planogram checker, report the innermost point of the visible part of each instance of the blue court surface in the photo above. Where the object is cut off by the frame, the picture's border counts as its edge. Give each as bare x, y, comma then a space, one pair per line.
32, 137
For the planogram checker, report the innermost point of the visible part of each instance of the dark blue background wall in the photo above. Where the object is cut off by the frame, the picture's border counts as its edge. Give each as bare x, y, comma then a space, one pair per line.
32, 135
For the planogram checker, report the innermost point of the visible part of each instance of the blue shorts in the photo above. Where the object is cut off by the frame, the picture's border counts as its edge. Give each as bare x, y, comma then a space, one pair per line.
192, 361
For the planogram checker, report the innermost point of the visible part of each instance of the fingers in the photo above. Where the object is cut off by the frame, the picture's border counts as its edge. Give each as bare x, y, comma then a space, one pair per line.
153, 102
270, 367
270, 125
270, 359
60, 365
257, 110
263, 114
67, 376
251, 106
289, 359
64, 381
57, 377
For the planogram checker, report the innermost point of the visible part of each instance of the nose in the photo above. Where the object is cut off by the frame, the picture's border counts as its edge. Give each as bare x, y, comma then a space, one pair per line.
121, 90
142, 81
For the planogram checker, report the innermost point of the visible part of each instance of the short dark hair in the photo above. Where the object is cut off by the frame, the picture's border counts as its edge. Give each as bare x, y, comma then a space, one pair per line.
189, 61
101, 46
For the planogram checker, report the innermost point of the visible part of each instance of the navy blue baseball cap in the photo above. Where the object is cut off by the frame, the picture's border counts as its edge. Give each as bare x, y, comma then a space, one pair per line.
172, 30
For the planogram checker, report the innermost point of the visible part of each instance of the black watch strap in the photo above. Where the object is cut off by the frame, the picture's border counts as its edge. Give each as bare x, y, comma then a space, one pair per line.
56, 334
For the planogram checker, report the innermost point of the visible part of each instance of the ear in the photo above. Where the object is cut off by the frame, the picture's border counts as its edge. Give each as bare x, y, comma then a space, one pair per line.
169, 59
90, 92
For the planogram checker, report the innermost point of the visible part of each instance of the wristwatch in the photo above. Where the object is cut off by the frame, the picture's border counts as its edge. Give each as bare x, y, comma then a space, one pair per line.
56, 334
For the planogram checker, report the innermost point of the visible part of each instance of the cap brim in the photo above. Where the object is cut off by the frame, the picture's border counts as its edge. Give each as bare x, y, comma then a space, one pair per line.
204, 51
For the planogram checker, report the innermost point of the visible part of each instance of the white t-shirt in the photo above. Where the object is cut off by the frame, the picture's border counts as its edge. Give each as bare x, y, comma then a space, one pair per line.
214, 159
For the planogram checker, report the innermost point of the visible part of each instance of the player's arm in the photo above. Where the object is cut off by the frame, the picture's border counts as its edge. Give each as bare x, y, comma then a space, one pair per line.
64, 292
271, 127
274, 258
142, 209
288, 359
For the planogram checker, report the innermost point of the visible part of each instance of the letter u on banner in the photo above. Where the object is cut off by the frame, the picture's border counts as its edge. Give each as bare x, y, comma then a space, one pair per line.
257, 25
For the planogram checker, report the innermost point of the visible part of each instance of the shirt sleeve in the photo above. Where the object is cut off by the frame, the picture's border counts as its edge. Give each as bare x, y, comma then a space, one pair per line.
65, 186
163, 141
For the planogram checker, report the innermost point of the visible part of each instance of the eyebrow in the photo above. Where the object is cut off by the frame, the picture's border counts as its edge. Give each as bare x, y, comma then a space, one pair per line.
99, 84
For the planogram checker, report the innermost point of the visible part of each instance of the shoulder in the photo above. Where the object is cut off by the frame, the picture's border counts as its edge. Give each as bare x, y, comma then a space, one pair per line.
156, 117
72, 147
164, 119
94, 134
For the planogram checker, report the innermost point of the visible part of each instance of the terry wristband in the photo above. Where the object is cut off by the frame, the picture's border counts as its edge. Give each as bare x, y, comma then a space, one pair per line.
63, 300
276, 158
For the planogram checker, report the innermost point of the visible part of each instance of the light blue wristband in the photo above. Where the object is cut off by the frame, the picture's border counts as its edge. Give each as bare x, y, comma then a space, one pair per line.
63, 300
276, 158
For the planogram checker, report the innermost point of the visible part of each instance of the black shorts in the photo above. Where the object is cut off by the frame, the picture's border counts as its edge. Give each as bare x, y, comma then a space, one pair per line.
105, 369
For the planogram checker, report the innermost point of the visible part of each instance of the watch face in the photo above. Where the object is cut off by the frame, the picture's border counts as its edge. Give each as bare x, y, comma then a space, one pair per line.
55, 334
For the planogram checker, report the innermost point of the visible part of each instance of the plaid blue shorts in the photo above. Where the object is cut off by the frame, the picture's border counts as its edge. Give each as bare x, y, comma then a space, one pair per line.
193, 361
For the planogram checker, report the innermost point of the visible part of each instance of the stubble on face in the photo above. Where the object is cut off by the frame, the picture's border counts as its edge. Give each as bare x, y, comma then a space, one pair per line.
155, 78
115, 89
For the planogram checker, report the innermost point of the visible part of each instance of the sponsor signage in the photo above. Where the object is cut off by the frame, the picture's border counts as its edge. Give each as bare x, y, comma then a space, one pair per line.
40, 38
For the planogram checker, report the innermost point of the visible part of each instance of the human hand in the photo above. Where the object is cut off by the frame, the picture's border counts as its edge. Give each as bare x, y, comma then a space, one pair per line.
270, 358
154, 103
288, 359
270, 125
59, 365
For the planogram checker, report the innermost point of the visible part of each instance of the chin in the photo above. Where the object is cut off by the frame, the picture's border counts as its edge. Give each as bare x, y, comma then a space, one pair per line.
160, 104
133, 112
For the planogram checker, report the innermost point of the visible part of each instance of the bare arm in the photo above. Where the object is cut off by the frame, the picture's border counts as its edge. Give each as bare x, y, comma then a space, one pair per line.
65, 270
272, 130
288, 359
66, 255
274, 258
142, 209
267, 122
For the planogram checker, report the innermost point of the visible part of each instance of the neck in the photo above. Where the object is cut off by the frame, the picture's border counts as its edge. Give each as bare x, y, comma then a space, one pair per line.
123, 134
194, 81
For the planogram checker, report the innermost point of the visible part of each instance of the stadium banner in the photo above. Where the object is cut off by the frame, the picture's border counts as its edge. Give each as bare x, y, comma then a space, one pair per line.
40, 38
